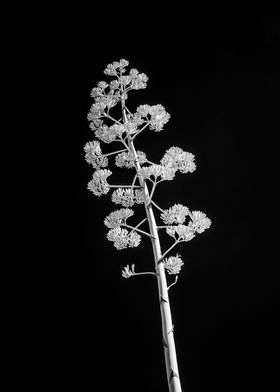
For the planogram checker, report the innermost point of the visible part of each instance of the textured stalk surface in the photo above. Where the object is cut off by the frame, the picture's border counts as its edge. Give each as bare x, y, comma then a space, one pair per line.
168, 341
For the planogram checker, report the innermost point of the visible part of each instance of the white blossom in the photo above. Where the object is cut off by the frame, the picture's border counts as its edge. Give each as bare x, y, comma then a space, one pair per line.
138, 81
127, 196
118, 217
173, 264
99, 185
178, 159
156, 171
126, 159
181, 232
96, 111
127, 272
109, 134
199, 222
139, 196
119, 236
134, 239
175, 214
122, 238
156, 115
95, 124
94, 155
123, 196
116, 67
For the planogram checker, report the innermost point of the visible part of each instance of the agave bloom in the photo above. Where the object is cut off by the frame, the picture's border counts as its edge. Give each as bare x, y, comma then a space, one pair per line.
200, 222
142, 188
175, 214
99, 185
178, 159
173, 264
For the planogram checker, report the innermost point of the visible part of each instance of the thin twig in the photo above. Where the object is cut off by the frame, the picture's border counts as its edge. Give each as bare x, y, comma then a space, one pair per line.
112, 118
141, 130
145, 273
152, 163
160, 209
125, 186
114, 152
140, 231
153, 190
172, 284
134, 180
142, 221
169, 249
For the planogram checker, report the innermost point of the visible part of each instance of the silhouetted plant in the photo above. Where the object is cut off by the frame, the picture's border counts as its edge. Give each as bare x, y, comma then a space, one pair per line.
141, 190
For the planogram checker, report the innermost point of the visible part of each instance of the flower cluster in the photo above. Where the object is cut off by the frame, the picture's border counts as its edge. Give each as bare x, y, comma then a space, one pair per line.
199, 222
127, 197
155, 115
126, 159
99, 185
132, 81
93, 155
127, 272
109, 134
175, 214
178, 159
181, 232
116, 68
118, 217
123, 239
165, 172
173, 264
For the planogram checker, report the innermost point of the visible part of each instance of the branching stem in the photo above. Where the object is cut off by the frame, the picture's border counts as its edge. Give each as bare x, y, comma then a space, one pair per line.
172, 284
114, 152
140, 231
169, 249
158, 207
144, 273
125, 186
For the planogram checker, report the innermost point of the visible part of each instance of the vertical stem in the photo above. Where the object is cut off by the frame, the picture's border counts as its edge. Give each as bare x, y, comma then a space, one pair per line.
171, 364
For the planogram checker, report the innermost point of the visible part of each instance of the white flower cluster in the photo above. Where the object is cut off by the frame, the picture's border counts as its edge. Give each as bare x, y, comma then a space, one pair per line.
173, 264
165, 172
181, 232
123, 239
109, 134
117, 67
118, 217
178, 159
127, 197
175, 214
99, 185
126, 159
94, 155
127, 272
155, 115
198, 224
132, 81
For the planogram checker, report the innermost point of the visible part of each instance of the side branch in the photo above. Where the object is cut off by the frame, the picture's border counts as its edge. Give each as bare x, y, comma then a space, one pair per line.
140, 231
114, 152
172, 284
168, 250
124, 186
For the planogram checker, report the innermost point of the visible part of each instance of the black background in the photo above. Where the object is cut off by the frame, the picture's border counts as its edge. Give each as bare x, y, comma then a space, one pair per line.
88, 329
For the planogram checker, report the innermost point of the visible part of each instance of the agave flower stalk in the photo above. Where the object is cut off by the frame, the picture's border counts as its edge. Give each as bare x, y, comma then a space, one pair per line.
168, 341
125, 131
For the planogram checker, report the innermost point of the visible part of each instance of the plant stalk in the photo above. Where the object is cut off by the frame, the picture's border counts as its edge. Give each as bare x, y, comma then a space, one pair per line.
173, 378
171, 364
